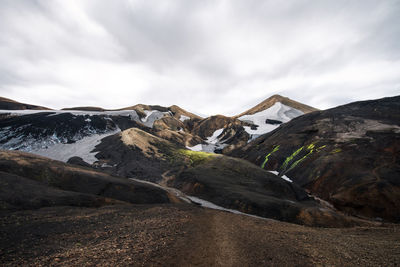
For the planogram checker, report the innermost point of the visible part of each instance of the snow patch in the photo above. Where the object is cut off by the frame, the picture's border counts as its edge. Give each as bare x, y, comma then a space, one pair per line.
74, 112
196, 200
212, 143
151, 117
278, 111
210, 205
213, 139
284, 177
198, 147
184, 118
82, 148
174, 191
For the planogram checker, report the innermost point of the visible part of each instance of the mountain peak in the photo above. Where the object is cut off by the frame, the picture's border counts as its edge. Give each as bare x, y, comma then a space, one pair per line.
178, 111
270, 101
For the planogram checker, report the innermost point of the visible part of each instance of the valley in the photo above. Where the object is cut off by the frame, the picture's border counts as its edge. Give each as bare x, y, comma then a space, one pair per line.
279, 184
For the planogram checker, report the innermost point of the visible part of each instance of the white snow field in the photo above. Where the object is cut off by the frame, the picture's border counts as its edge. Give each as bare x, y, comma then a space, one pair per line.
278, 111
151, 117
82, 148
213, 143
130, 113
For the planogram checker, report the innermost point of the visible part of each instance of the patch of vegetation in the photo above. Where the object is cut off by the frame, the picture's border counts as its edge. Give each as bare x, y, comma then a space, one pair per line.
300, 160
310, 148
196, 157
276, 148
337, 150
291, 157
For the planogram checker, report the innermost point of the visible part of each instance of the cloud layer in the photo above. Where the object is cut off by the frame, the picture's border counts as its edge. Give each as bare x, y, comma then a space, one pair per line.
207, 56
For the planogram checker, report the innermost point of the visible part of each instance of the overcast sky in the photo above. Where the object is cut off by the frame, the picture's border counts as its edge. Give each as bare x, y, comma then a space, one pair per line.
206, 56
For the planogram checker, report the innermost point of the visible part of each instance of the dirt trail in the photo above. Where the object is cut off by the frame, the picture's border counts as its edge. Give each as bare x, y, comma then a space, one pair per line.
228, 253
183, 235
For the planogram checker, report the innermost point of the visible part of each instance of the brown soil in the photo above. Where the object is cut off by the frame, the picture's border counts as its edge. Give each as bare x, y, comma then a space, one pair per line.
183, 235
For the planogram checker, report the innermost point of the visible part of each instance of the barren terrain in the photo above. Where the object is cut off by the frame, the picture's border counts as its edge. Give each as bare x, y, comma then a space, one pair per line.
183, 235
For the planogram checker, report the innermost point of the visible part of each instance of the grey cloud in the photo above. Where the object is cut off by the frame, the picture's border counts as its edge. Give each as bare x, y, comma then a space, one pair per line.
210, 56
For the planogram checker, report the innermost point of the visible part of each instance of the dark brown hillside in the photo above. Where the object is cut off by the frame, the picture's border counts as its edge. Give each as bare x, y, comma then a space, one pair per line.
347, 155
228, 182
31, 181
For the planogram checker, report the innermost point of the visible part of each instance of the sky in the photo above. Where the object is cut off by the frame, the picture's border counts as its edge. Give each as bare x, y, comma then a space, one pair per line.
207, 56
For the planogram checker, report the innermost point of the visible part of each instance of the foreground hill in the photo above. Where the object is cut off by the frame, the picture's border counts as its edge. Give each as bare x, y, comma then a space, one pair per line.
29, 181
347, 155
9, 104
228, 182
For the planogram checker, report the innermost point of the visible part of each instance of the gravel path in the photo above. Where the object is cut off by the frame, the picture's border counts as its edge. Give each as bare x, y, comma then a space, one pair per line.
183, 235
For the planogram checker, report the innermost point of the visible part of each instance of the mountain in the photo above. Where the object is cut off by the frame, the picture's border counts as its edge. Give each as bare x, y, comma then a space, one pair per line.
270, 113
151, 142
37, 132
175, 111
9, 104
85, 108
271, 101
223, 134
219, 133
81, 128
348, 156
152, 185
32, 181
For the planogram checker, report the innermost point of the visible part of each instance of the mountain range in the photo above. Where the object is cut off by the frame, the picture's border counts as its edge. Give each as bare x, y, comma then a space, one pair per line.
281, 160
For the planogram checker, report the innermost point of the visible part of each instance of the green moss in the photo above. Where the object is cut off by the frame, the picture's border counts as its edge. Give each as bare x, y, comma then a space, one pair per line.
300, 160
290, 158
337, 150
286, 166
267, 156
196, 157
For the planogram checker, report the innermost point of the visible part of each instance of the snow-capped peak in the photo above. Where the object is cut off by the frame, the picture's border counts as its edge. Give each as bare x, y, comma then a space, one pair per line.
269, 119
